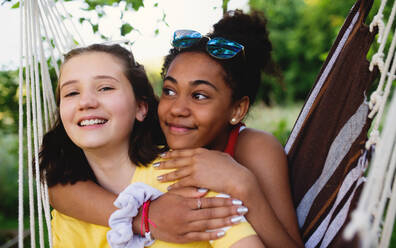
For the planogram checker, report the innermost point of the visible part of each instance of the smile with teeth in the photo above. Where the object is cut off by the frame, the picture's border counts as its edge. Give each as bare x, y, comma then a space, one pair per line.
92, 122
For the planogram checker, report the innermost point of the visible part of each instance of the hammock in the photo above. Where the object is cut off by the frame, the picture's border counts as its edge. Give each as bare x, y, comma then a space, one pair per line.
328, 150
39, 18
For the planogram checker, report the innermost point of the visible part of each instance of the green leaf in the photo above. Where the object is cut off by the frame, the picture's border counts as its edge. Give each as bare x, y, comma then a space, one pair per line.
15, 6
126, 29
81, 20
136, 4
95, 27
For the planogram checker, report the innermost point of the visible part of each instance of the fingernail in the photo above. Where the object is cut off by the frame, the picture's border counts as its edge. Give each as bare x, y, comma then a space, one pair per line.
169, 187
220, 234
156, 165
242, 210
163, 154
202, 190
237, 202
159, 178
236, 219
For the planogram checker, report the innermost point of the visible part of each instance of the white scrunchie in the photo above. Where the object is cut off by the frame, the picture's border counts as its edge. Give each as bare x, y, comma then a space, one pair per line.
129, 201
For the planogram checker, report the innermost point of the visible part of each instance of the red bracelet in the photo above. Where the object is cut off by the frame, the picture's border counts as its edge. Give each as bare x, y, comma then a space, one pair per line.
146, 221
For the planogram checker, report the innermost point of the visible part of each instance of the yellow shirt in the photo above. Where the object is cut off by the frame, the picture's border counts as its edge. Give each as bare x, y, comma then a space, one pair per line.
71, 232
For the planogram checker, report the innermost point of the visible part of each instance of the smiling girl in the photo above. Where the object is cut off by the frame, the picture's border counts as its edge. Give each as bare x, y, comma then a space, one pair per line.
107, 126
209, 84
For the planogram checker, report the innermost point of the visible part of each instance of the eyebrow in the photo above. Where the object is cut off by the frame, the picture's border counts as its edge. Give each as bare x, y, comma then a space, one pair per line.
96, 77
194, 83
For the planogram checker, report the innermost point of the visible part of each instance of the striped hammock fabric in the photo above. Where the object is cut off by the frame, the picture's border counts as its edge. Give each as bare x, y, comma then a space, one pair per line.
326, 147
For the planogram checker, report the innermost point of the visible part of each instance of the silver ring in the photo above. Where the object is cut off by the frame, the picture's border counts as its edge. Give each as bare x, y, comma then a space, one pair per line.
199, 203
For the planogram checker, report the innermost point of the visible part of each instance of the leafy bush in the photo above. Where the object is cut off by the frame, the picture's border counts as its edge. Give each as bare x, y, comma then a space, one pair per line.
8, 175
276, 120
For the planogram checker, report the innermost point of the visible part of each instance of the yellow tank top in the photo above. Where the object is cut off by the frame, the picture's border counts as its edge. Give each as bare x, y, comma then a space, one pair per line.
70, 232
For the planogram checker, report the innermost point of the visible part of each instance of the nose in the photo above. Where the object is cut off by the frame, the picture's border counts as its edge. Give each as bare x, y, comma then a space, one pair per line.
88, 100
180, 107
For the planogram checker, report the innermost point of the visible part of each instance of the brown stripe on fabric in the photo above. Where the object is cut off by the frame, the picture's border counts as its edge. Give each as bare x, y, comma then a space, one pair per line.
343, 93
350, 162
363, 6
339, 241
325, 206
320, 208
340, 206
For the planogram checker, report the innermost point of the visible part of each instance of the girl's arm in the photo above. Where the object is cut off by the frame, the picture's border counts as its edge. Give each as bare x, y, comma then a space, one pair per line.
263, 185
266, 159
83, 200
251, 241
177, 218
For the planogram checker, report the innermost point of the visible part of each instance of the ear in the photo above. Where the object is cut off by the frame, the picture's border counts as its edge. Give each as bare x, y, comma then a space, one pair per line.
240, 110
141, 111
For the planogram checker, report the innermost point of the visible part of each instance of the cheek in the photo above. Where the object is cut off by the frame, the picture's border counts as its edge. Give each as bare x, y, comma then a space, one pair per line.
125, 108
64, 112
214, 114
162, 109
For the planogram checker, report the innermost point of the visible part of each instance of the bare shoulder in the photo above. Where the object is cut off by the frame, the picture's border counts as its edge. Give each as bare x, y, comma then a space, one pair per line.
259, 148
253, 137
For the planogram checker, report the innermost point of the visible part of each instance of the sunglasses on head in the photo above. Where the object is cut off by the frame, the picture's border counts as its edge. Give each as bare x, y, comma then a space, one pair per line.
217, 47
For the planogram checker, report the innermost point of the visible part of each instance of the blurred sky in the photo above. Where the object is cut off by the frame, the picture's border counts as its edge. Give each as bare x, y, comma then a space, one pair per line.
148, 48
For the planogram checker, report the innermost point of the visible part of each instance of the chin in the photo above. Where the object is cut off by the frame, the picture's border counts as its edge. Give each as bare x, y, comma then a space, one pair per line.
180, 145
90, 145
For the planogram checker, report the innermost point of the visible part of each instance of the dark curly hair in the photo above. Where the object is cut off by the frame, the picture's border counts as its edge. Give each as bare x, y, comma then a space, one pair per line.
242, 72
61, 161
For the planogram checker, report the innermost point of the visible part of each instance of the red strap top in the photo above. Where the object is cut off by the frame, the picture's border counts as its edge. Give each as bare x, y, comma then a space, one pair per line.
230, 148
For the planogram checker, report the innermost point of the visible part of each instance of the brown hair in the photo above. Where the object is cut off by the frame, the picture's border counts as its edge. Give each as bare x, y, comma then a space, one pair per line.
61, 161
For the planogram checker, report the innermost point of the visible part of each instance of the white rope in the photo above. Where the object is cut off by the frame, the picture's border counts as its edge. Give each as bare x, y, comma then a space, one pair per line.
390, 217
72, 23
20, 132
29, 129
48, 23
378, 97
36, 118
382, 201
377, 21
36, 39
382, 36
376, 191
45, 79
54, 24
45, 199
50, 47
46, 85
38, 19
378, 199
367, 218
68, 36
383, 71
